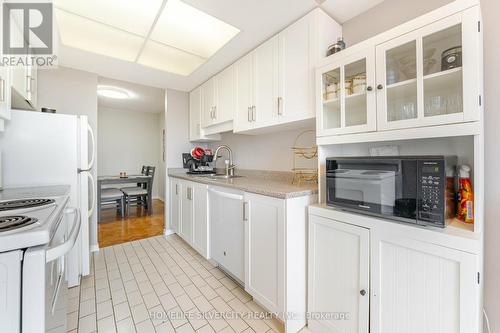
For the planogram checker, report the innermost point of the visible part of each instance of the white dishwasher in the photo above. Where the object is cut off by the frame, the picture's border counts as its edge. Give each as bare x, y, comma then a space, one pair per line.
227, 238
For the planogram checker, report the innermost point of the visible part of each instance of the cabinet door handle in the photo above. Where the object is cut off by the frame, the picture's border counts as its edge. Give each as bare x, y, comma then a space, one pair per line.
2, 90
254, 113
248, 114
280, 106
215, 112
28, 83
362, 292
369, 88
380, 87
176, 189
245, 217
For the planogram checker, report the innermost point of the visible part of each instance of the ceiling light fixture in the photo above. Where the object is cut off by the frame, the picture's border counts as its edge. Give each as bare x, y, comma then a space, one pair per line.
113, 92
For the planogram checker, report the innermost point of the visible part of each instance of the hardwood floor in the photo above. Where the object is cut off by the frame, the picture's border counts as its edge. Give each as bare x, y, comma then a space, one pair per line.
138, 225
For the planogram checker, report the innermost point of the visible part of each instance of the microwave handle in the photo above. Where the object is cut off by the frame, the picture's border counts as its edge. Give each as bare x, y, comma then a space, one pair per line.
62, 249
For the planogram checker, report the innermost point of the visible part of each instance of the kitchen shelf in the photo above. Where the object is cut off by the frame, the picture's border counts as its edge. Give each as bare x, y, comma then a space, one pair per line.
402, 83
452, 72
331, 101
355, 95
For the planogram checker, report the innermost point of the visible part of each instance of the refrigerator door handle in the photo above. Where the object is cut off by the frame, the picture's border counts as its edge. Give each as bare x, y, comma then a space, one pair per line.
92, 182
92, 139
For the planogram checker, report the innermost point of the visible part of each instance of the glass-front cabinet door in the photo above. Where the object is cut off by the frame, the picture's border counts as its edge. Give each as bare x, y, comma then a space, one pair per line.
426, 77
347, 101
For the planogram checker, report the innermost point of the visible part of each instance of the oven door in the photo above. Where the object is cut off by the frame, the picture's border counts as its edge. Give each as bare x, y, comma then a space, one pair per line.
44, 304
382, 188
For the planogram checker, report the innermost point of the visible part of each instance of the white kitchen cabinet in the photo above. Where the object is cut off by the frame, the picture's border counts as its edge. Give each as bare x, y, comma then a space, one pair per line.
227, 230
196, 132
208, 102
416, 279
265, 250
339, 276
200, 219
276, 255
275, 82
347, 103
175, 204
265, 83
24, 80
218, 101
226, 96
427, 72
298, 53
5, 92
186, 220
417, 87
423, 287
243, 116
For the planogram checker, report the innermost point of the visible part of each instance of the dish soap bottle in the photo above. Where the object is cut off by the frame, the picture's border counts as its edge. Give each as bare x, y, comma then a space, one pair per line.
465, 196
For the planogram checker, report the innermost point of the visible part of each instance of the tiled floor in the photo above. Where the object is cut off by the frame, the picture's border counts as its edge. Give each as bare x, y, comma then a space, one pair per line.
161, 285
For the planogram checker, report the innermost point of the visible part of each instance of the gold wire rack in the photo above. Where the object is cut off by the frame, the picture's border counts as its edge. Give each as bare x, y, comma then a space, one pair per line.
304, 174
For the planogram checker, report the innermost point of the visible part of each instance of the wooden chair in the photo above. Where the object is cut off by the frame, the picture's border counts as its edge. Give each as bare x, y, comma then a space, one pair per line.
143, 172
115, 197
139, 195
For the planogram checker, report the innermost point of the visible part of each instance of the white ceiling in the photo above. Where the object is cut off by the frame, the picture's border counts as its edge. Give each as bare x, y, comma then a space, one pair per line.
258, 20
143, 98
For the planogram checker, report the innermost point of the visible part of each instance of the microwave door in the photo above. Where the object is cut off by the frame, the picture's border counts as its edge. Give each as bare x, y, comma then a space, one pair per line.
365, 190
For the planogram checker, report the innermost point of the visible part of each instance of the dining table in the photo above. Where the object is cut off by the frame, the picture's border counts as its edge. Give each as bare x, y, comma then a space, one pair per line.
130, 179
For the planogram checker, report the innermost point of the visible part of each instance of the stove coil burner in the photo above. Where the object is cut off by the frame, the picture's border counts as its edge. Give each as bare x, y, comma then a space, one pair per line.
24, 203
14, 222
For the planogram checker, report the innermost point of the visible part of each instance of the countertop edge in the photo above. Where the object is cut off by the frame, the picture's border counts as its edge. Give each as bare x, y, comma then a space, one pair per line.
279, 195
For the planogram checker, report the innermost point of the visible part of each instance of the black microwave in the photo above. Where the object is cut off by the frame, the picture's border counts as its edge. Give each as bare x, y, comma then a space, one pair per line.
413, 189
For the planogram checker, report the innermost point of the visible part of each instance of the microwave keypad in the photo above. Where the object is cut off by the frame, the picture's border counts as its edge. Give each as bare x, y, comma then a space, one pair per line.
431, 205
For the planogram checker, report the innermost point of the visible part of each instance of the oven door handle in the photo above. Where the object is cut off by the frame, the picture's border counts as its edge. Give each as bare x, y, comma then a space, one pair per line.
62, 249
56, 292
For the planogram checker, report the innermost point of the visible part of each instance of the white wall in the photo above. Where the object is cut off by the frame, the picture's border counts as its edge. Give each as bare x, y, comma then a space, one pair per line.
71, 91
176, 135
127, 141
263, 152
161, 170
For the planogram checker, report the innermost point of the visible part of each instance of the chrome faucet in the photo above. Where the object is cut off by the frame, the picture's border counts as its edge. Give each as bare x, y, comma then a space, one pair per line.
229, 166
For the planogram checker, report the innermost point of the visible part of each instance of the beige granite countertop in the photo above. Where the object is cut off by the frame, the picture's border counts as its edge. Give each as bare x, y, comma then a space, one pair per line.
277, 184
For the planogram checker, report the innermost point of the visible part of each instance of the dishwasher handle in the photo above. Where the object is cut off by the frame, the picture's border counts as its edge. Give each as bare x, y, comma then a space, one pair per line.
62, 249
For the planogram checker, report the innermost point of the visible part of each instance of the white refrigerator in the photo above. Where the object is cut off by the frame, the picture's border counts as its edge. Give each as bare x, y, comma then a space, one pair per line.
54, 149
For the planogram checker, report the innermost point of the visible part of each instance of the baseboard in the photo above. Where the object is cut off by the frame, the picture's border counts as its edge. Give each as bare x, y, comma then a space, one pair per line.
168, 232
94, 248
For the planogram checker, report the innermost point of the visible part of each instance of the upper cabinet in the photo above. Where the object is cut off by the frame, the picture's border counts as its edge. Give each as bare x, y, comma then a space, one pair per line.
275, 82
348, 100
196, 132
431, 75
218, 102
5, 105
273, 85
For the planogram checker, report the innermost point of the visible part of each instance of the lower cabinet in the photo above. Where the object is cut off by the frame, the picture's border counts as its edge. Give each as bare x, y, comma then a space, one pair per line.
423, 286
175, 204
227, 230
200, 219
339, 276
186, 221
188, 213
265, 250
385, 279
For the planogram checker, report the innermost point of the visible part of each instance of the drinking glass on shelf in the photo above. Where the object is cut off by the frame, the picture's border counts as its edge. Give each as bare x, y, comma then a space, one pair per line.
454, 104
408, 110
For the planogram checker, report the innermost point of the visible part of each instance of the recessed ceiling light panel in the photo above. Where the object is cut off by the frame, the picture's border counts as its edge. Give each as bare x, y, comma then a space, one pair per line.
113, 92
189, 29
166, 58
91, 36
130, 15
